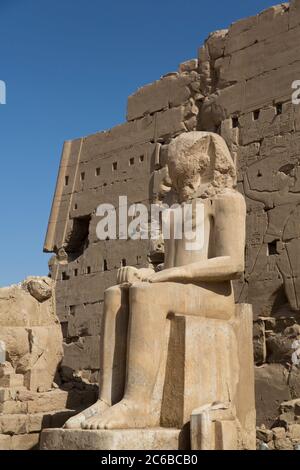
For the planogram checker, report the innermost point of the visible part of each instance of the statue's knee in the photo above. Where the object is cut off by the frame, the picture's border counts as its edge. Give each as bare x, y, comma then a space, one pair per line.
140, 290
112, 296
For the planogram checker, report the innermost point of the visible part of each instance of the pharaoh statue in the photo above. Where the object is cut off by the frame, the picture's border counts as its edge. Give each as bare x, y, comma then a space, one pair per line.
196, 286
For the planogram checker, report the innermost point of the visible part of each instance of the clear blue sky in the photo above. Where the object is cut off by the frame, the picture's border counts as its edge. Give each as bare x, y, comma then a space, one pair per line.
69, 66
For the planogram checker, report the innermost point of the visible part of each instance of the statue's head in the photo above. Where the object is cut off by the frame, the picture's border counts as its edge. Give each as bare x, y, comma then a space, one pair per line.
200, 165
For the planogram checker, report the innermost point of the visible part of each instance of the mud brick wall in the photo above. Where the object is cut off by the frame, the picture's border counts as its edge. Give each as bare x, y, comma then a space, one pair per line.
240, 87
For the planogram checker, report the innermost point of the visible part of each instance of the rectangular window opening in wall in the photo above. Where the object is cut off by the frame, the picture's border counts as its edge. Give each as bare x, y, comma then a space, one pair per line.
82, 176
272, 248
88, 270
66, 180
76, 272
256, 114
142, 157
278, 109
131, 161
98, 171
75, 206
115, 166
64, 328
64, 276
123, 262
235, 122
104, 265
72, 309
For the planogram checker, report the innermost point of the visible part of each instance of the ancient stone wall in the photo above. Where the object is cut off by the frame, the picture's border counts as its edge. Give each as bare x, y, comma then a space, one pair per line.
240, 87
31, 343
97, 169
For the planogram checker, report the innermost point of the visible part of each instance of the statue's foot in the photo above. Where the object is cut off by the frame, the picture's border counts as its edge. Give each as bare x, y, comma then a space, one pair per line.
123, 415
77, 421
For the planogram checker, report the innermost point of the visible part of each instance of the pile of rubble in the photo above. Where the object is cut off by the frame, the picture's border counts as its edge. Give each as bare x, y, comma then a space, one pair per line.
31, 353
285, 433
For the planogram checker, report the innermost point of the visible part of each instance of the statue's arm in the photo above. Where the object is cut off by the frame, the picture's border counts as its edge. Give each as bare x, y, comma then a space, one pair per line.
228, 262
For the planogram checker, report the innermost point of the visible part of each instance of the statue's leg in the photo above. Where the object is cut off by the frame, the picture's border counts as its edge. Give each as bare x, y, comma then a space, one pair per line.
150, 305
113, 356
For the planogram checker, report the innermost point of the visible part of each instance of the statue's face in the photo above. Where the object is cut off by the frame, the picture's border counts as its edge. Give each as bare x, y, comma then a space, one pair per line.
188, 173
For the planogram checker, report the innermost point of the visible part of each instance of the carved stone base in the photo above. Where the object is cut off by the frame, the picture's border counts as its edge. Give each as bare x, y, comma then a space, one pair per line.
123, 439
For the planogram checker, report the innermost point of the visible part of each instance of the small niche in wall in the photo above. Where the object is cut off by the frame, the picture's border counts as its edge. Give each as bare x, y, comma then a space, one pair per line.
256, 114
66, 180
142, 158
123, 262
72, 309
235, 122
278, 109
98, 171
272, 248
82, 176
88, 270
115, 166
104, 265
131, 161
75, 206
64, 329
64, 276
76, 272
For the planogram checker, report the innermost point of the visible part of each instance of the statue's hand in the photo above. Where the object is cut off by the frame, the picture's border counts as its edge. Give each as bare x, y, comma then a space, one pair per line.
127, 274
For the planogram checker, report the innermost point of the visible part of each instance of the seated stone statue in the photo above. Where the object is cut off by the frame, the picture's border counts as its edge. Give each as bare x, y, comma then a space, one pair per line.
195, 283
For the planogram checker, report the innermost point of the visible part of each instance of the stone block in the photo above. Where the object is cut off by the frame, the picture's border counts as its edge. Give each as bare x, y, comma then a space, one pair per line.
48, 401
186, 374
170, 122
37, 421
263, 434
13, 424
25, 442
278, 433
124, 439
5, 442
216, 43
13, 407
12, 380
283, 444
294, 431
290, 406
248, 31
189, 65
168, 91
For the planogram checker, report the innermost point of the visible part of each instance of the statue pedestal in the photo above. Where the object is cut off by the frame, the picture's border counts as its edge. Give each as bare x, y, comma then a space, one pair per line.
208, 375
119, 439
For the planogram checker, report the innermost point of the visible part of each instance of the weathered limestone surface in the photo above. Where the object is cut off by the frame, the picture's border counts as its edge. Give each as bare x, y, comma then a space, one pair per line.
240, 87
124, 439
31, 333
173, 340
29, 398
